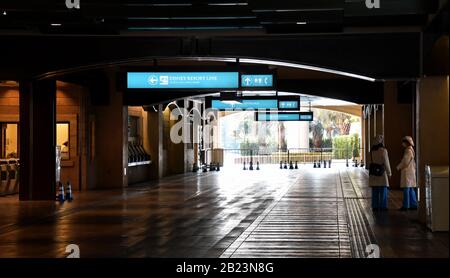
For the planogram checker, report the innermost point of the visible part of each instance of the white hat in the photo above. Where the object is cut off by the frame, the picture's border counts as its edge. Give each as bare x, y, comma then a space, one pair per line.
409, 140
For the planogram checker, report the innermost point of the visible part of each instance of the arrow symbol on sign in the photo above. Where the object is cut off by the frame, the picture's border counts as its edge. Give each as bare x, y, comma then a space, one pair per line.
265, 81
247, 81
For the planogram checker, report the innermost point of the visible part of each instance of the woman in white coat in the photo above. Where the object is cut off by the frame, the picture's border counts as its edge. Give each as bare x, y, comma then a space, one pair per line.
380, 184
408, 175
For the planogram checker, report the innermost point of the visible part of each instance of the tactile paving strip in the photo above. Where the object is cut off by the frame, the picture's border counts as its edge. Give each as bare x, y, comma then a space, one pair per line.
308, 220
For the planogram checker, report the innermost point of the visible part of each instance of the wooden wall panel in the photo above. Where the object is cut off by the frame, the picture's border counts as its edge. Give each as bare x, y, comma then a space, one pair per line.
68, 108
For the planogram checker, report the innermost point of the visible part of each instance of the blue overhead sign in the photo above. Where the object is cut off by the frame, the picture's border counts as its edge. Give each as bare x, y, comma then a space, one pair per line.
306, 116
183, 80
245, 104
288, 104
256, 80
299, 116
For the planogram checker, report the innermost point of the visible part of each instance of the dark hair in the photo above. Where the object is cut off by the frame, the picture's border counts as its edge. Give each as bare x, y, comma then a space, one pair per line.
376, 147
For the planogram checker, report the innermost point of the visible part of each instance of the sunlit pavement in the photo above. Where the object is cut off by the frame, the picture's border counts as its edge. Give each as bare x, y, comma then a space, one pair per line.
306, 212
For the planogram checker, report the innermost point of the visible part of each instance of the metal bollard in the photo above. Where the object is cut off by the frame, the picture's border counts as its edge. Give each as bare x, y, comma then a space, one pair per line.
218, 167
281, 164
285, 164
329, 163
250, 165
296, 165
245, 168
257, 165
315, 165
319, 164
194, 167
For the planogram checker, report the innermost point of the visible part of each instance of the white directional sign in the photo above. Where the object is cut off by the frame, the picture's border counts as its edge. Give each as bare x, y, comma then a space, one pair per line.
256, 80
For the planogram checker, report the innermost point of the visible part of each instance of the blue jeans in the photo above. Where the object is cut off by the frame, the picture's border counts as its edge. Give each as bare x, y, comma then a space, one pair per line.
409, 198
379, 197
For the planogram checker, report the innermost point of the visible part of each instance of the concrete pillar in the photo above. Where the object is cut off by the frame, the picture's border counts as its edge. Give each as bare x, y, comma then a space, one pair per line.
377, 120
367, 134
155, 136
175, 151
432, 128
398, 123
109, 159
363, 137
37, 140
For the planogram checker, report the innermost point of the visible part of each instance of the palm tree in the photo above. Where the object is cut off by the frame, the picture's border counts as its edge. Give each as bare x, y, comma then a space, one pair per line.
317, 133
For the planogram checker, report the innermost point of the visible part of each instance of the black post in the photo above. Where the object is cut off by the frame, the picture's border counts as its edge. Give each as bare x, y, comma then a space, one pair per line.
346, 155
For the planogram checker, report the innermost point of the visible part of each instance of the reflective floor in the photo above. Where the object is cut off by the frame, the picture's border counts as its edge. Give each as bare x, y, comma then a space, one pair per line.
232, 213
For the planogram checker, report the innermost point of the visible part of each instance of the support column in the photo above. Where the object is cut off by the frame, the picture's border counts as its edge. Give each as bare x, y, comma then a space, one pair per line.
432, 128
175, 150
398, 124
367, 134
37, 140
377, 120
155, 130
363, 137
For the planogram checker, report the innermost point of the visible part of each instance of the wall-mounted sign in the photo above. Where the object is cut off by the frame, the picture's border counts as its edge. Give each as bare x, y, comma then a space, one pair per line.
288, 116
257, 80
245, 104
182, 80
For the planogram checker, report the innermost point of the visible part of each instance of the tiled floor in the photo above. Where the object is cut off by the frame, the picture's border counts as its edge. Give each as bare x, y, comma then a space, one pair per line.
231, 213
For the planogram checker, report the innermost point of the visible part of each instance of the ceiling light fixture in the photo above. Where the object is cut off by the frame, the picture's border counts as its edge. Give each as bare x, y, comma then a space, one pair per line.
55, 24
301, 23
4, 13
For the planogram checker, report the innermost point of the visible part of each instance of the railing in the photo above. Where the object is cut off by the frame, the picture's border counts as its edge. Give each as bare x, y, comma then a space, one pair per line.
275, 156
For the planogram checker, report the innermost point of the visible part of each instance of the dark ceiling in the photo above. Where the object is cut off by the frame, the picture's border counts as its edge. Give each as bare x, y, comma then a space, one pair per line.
260, 16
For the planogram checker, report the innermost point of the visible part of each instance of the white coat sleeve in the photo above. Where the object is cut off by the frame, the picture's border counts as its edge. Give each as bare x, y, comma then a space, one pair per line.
387, 165
405, 160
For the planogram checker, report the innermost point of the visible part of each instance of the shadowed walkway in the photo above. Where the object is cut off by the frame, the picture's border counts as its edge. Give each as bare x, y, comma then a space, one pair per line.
232, 213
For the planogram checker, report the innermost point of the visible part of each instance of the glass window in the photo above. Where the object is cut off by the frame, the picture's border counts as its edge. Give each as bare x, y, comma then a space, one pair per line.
10, 142
62, 139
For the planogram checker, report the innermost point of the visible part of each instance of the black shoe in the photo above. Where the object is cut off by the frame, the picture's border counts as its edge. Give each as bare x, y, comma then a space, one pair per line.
403, 209
413, 208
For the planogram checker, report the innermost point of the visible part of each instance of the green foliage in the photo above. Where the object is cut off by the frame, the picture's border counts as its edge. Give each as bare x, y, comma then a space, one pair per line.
342, 146
346, 146
356, 145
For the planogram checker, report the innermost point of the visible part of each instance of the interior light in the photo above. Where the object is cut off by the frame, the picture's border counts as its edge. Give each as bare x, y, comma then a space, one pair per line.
307, 67
4, 13
228, 4
55, 24
301, 22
